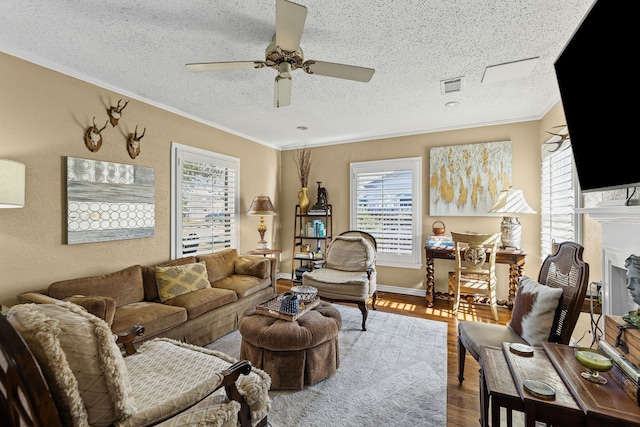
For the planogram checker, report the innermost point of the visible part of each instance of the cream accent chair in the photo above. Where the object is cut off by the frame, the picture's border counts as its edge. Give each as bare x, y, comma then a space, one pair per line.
61, 366
475, 267
349, 272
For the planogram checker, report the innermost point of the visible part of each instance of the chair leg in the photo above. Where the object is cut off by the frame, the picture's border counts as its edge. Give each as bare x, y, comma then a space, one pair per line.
493, 301
462, 353
363, 308
373, 301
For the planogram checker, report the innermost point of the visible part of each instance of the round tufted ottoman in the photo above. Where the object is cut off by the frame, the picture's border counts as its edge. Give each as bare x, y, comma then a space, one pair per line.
293, 353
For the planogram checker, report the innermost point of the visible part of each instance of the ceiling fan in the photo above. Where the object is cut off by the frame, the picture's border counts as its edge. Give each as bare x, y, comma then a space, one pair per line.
285, 55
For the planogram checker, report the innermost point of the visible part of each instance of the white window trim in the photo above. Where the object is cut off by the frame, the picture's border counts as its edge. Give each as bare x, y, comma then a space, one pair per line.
414, 260
177, 151
549, 150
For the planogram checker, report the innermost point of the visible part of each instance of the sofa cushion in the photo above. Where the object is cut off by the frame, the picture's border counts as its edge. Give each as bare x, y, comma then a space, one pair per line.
80, 361
242, 285
155, 317
260, 268
102, 307
350, 253
124, 286
181, 279
203, 300
149, 276
220, 264
534, 310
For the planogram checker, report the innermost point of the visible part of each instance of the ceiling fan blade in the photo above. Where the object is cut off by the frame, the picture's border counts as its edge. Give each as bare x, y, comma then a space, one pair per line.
290, 19
282, 96
218, 66
340, 71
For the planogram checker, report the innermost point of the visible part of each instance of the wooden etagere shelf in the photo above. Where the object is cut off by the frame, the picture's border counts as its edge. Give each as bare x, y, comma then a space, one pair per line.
314, 231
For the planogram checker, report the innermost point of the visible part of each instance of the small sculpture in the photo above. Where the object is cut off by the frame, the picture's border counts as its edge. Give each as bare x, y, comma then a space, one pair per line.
321, 203
633, 285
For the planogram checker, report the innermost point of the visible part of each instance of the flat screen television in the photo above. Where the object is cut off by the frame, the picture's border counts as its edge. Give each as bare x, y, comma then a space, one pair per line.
598, 88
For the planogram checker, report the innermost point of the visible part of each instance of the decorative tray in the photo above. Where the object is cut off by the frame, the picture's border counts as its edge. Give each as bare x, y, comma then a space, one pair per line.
272, 308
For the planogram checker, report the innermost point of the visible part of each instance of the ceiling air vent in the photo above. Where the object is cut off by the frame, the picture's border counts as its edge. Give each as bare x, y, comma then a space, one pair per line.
451, 85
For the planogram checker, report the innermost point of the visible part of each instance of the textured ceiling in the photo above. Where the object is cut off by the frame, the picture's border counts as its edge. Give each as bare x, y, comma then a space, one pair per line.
139, 48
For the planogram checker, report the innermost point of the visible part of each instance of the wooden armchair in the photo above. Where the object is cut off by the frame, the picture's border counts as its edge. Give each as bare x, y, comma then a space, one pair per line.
546, 310
61, 366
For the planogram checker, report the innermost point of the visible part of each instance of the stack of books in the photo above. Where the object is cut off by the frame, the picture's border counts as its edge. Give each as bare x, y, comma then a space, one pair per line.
440, 240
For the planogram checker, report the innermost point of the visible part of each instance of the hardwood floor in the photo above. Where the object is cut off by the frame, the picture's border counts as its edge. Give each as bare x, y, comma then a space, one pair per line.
463, 402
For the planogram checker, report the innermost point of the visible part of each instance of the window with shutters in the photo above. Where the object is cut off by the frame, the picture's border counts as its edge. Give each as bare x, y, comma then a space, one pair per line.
204, 201
560, 197
386, 201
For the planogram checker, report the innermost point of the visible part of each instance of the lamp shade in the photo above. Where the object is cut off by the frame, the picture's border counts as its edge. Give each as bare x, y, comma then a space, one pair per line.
262, 205
511, 202
12, 176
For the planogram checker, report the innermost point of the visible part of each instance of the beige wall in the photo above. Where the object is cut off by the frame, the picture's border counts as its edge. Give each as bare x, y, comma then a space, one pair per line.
330, 165
43, 115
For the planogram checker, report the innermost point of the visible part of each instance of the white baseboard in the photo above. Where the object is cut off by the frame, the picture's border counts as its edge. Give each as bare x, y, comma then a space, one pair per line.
382, 288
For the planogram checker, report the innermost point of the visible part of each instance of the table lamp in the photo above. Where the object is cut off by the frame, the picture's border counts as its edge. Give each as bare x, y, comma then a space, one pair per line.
262, 206
510, 204
12, 176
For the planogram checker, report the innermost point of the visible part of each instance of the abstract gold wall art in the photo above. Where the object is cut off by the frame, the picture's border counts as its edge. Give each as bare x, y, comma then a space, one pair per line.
465, 180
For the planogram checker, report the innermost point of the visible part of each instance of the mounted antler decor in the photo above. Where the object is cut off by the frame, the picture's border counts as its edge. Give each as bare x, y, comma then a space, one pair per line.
133, 142
115, 113
93, 137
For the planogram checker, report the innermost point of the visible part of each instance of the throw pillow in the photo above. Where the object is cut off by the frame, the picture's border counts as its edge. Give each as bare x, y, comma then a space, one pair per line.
534, 311
259, 268
79, 359
181, 279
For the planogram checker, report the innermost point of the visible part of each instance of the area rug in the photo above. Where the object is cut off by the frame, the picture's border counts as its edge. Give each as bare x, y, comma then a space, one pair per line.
393, 374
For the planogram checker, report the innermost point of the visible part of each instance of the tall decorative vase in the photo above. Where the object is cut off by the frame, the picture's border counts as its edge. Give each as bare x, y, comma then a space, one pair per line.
303, 200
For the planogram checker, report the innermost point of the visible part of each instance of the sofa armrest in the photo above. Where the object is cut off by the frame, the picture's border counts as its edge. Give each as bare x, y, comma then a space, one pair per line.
36, 298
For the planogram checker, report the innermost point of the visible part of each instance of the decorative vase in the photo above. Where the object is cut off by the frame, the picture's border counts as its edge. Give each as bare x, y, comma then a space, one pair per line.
303, 200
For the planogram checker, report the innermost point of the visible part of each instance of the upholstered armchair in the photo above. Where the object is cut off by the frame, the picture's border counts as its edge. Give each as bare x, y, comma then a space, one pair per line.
61, 366
349, 271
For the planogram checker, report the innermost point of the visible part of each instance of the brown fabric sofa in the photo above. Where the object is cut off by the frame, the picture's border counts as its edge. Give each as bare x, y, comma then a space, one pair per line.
130, 297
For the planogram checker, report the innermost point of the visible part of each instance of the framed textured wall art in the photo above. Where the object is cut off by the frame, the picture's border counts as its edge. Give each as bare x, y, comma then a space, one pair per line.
108, 201
465, 180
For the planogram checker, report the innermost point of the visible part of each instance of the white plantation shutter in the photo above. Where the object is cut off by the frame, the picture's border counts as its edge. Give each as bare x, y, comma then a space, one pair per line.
386, 202
560, 198
206, 201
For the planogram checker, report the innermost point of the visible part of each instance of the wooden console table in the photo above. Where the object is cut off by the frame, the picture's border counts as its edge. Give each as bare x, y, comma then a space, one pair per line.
577, 401
514, 257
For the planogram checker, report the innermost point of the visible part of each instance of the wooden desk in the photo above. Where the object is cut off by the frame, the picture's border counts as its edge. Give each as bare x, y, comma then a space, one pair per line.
264, 252
604, 405
514, 257
578, 402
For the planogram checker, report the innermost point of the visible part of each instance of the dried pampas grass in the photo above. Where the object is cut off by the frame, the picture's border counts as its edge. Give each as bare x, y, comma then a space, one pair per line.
302, 159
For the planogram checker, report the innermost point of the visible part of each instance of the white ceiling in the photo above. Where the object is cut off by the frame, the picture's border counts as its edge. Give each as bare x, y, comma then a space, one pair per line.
139, 48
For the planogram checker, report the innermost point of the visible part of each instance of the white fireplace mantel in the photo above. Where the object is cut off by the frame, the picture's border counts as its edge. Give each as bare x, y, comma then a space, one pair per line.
613, 213
620, 238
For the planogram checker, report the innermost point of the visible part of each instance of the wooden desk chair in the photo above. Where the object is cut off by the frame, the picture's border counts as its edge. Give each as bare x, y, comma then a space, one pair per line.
475, 267
566, 271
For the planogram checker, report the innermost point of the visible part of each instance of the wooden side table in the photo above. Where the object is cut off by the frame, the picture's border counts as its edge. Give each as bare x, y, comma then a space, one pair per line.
264, 252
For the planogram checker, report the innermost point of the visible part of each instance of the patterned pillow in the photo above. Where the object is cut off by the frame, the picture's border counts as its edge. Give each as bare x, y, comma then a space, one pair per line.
534, 310
181, 279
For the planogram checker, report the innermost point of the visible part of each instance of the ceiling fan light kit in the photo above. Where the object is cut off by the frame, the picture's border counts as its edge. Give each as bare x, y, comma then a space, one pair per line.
285, 55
